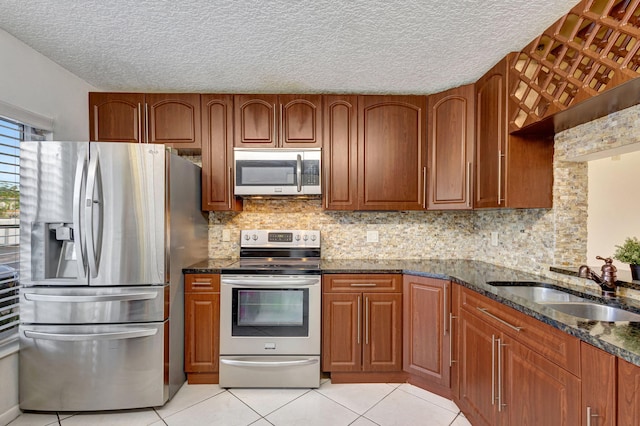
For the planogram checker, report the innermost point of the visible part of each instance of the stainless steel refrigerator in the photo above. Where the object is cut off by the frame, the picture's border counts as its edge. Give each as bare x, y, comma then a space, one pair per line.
105, 230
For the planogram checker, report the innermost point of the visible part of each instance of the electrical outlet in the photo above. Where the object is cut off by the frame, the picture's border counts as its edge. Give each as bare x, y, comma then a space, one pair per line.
226, 235
494, 239
372, 236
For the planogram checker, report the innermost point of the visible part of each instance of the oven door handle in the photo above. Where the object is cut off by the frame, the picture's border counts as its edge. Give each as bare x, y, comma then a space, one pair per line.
238, 363
270, 283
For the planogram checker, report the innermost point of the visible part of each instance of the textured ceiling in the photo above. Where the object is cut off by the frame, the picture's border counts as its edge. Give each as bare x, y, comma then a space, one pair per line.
278, 46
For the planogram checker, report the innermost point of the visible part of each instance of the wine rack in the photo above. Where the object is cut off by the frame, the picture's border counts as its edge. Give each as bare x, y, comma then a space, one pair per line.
596, 46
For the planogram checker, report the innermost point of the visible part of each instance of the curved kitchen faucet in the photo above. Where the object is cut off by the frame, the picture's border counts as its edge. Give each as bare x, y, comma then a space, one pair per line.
607, 281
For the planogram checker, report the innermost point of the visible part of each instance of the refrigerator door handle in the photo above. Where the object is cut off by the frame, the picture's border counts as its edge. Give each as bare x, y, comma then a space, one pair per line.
93, 177
78, 223
70, 337
82, 299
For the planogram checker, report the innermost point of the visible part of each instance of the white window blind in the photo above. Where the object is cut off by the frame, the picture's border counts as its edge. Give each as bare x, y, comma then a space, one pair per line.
11, 133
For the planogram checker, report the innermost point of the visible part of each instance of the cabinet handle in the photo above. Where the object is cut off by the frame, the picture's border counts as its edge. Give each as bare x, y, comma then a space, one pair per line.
362, 284
469, 170
424, 187
589, 415
281, 127
139, 123
451, 318
500, 320
444, 309
500, 155
493, 369
500, 345
146, 123
366, 320
359, 315
230, 187
206, 283
275, 139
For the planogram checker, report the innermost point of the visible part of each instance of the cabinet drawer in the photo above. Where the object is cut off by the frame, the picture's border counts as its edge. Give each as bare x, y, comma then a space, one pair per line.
202, 282
362, 282
553, 344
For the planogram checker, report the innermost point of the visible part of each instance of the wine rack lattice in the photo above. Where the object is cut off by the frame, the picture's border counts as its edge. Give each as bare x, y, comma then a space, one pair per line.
594, 47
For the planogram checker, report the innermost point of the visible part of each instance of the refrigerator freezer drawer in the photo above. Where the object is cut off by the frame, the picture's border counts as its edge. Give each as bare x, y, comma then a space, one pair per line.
86, 368
104, 305
293, 371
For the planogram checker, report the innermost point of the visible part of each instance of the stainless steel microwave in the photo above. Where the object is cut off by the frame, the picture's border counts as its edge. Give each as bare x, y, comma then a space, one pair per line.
277, 171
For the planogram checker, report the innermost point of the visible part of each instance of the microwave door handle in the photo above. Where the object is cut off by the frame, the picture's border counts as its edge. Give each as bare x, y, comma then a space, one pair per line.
299, 172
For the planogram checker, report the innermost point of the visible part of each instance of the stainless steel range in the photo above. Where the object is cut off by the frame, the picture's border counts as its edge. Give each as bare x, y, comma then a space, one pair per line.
270, 304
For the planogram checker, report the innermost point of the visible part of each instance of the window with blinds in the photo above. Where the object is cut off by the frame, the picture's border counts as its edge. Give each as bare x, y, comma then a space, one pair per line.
11, 133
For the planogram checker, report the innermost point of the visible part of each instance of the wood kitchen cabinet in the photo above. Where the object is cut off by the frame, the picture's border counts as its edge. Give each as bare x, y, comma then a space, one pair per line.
511, 371
598, 386
362, 327
217, 154
514, 171
427, 333
340, 156
171, 119
202, 327
628, 393
270, 121
391, 152
450, 149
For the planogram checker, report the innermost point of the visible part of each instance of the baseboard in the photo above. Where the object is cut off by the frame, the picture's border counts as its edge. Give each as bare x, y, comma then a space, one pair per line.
10, 415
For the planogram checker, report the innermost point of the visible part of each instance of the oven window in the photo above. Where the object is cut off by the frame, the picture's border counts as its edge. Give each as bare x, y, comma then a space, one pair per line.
270, 312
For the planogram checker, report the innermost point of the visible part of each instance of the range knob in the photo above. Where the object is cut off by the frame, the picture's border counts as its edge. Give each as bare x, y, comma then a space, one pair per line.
306, 237
254, 237
313, 237
297, 237
246, 237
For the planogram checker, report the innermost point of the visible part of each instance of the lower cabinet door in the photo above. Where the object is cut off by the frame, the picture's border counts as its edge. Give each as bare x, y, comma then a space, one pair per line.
382, 349
202, 332
628, 393
534, 391
426, 350
341, 332
477, 374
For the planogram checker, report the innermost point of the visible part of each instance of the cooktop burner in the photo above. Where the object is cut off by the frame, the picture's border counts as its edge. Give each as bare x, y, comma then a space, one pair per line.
277, 252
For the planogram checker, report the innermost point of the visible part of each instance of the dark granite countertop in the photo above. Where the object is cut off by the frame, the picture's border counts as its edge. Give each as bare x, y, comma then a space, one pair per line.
618, 338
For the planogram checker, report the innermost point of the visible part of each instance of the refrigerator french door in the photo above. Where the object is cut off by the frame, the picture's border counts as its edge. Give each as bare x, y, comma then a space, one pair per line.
102, 226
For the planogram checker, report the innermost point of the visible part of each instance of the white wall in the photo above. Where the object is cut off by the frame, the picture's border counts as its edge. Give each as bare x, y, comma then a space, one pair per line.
31, 81
614, 205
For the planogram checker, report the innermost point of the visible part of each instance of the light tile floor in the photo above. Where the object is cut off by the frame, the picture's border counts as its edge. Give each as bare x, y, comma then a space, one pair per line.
332, 404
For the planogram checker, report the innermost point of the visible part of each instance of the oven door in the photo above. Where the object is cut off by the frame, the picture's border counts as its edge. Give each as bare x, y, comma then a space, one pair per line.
270, 315
277, 171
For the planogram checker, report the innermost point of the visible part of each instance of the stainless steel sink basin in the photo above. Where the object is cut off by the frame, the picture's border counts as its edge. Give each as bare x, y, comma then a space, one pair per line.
540, 294
594, 311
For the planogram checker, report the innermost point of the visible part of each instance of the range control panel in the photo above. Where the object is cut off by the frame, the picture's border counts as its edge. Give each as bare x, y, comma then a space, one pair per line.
280, 238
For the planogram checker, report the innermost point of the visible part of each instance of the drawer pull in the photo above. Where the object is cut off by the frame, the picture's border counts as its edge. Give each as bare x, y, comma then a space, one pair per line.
363, 285
500, 320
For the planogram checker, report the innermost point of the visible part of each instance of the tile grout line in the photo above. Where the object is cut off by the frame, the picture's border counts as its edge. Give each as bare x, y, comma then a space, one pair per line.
431, 402
158, 414
271, 412
190, 406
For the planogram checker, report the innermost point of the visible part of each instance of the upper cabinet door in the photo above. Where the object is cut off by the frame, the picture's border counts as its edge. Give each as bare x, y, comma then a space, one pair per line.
256, 121
173, 119
450, 149
300, 121
340, 152
217, 154
491, 130
116, 117
270, 121
391, 152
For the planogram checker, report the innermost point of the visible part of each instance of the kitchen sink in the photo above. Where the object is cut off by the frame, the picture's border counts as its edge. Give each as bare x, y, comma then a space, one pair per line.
594, 311
540, 294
